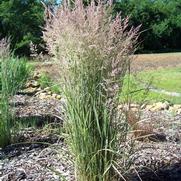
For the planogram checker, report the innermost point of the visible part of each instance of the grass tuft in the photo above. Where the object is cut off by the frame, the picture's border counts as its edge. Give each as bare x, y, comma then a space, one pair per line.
13, 74
46, 81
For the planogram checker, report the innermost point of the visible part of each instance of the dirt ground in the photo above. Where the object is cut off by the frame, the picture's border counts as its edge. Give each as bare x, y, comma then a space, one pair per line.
156, 61
140, 62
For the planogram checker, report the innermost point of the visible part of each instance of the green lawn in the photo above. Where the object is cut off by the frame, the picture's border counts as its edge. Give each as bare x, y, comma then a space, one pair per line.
166, 79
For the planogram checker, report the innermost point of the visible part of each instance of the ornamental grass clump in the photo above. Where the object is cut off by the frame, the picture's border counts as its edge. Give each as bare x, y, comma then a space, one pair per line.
13, 74
93, 50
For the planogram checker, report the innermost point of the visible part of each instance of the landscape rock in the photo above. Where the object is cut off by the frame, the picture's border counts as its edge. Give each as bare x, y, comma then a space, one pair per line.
43, 95
58, 97
36, 75
160, 106
54, 96
149, 107
32, 83
28, 91
134, 105
178, 111
175, 108
49, 93
135, 109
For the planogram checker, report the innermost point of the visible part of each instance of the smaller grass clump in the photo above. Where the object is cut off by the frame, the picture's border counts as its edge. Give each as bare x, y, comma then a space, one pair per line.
16, 71
46, 81
13, 75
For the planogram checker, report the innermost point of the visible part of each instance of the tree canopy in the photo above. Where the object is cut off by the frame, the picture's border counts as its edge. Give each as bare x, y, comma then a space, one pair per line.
22, 21
160, 20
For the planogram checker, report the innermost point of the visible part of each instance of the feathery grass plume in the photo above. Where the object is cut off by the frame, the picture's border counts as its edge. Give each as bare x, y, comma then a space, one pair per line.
94, 51
4, 47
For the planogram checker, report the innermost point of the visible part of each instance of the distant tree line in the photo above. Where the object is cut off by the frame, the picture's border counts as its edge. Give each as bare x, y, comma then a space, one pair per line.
22, 21
160, 20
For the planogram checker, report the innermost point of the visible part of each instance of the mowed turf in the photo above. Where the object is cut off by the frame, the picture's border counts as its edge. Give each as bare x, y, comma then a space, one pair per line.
137, 88
168, 79
159, 71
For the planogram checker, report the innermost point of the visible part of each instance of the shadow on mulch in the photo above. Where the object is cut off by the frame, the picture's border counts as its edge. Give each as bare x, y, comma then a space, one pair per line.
17, 149
171, 173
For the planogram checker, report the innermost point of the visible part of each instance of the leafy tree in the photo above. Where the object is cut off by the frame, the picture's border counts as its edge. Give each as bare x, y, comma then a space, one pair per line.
22, 21
160, 20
